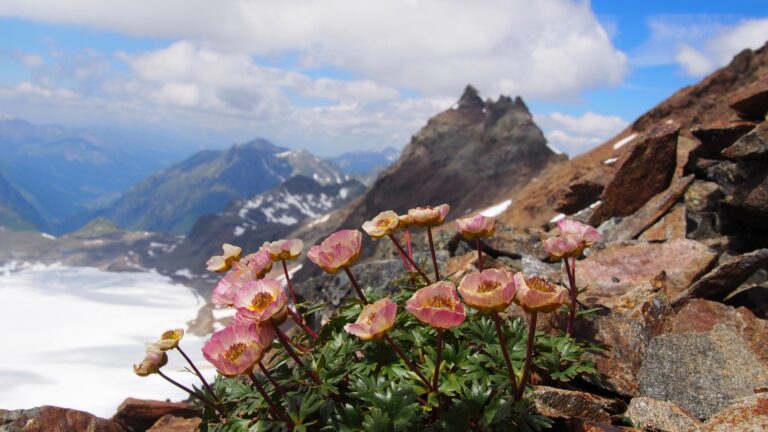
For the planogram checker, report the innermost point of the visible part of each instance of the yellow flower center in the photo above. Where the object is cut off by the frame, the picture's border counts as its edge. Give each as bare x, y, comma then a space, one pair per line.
170, 334
261, 301
539, 284
383, 223
488, 286
369, 319
235, 351
441, 302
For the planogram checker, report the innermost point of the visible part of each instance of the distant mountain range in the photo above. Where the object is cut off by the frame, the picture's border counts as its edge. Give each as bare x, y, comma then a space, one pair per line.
366, 165
16, 212
65, 174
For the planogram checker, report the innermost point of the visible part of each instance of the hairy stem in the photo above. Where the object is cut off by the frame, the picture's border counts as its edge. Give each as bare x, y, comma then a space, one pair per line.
528, 355
432, 251
410, 365
436, 377
572, 291
290, 284
479, 254
355, 285
192, 393
409, 258
272, 381
197, 372
287, 344
504, 351
277, 411
301, 323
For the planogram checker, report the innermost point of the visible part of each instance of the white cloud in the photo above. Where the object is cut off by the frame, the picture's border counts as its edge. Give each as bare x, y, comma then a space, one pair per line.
699, 44
575, 135
548, 48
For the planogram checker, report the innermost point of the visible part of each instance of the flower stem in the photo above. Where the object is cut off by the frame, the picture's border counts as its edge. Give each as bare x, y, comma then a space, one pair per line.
413, 263
436, 377
432, 250
276, 411
272, 381
571, 271
528, 355
289, 283
479, 254
410, 365
300, 322
287, 344
197, 372
192, 393
504, 351
356, 286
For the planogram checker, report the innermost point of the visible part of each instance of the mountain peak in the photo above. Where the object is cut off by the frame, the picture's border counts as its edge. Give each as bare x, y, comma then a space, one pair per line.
470, 98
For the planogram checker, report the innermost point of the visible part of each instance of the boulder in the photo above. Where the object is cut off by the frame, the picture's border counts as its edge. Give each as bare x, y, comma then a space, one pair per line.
644, 172
54, 419
751, 101
140, 414
753, 297
753, 145
745, 183
653, 414
717, 136
749, 414
701, 372
580, 195
507, 241
170, 423
671, 226
560, 403
725, 278
611, 272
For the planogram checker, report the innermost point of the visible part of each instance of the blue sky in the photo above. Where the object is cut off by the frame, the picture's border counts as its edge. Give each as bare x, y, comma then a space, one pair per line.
341, 75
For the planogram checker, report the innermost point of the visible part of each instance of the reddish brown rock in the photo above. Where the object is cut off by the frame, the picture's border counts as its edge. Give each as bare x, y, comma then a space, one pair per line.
140, 414
749, 415
553, 402
725, 278
169, 423
512, 242
459, 266
751, 102
670, 227
653, 414
643, 173
685, 145
717, 136
611, 272
584, 425
54, 419
647, 215
703, 196
753, 145
580, 195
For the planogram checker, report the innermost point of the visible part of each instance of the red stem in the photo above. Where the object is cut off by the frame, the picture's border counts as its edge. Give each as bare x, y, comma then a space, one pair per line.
503, 343
528, 355
410, 365
572, 292
276, 411
287, 344
194, 394
197, 372
274, 383
432, 251
300, 322
355, 285
290, 285
479, 254
413, 263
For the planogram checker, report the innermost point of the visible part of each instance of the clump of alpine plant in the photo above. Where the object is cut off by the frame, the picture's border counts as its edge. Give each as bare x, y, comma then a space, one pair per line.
432, 356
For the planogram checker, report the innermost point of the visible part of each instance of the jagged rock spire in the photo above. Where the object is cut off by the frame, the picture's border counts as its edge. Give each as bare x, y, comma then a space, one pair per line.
470, 98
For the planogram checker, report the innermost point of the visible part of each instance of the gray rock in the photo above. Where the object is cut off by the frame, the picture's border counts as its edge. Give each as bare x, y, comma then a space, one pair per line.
701, 372
553, 402
653, 414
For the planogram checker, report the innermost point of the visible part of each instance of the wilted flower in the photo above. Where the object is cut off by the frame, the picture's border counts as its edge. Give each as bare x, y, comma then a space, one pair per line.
374, 321
252, 267
382, 225
437, 305
476, 227
283, 249
429, 216
341, 249
573, 238
222, 263
261, 300
538, 294
489, 290
170, 339
235, 349
153, 361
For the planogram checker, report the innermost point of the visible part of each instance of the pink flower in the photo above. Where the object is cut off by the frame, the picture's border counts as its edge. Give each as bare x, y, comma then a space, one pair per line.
489, 290
437, 305
283, 249
405, 221
222, 263
385, 223
261, 301
235, 349
339, 250
476, 227
537, 294
429, 216
573, 238
374, 321
252, 267
154, 359
170, 339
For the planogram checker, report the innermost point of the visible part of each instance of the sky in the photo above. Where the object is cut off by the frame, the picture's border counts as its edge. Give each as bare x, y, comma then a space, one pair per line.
341, 75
